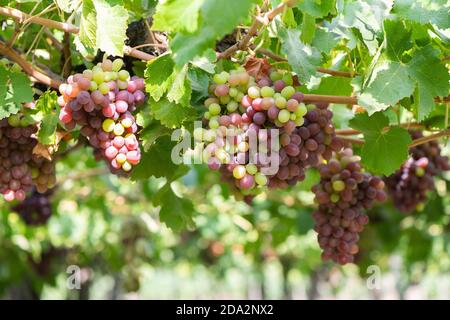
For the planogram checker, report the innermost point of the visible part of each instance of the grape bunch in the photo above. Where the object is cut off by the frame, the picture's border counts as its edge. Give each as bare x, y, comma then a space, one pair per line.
239, 138
101, 102
408, 186
35, 209
344, 192
20, 169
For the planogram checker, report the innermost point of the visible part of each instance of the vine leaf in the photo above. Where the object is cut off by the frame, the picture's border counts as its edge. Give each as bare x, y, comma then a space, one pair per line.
218, 18
157, 161
432, 79
302, 58
390, 85
177, 15
103, 26
171, 114
48, 107
174, 211
419, 12
15, 89
385, 148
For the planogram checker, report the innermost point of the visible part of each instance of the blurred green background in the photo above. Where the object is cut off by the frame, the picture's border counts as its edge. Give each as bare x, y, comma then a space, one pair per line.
108, 227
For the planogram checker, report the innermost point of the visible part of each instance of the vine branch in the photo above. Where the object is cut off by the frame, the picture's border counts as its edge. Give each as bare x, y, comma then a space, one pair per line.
278, 58
258, 24
67, 27
27, 67
414, 143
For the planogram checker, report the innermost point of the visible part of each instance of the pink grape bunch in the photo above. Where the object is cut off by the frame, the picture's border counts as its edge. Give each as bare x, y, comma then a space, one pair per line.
343, 194
409, 186
238, 102
20, 169
101, 102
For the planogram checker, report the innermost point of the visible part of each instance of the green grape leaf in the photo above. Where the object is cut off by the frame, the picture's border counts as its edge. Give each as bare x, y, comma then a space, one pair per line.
317, 8
170, 114
48, 106
111, 27
432, 79
175, 212
385, 148
324, 40
15, 89
398, 39
180, 90
366, 16
423, 12
218, 19
151, 133
158, 76
390, 85
302, 58
103, 26
337, 86
177, 15
308, 29
21, 88
157, 161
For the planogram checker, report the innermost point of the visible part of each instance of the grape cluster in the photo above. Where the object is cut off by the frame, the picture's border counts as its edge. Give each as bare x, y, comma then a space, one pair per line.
101, 102
239, 139
20, 169
35, 209
408, 186
344, 192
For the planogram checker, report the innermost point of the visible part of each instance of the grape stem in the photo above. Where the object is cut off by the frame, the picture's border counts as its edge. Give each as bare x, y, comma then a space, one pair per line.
67, 27
351, 132
258, 24
28, 68
278, 58
415, 143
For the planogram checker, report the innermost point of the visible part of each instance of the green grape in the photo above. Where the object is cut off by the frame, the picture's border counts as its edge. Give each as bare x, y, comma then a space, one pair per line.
239, 172
98, 76
233, 92
267, 92
232, 106
253, 92
108, 125
260, 179
214, 109
284, 116
221, 78
274, 76
225, 99
251, 169
207, 115
93, 86
287, 78
123, 75
287, 92
14, 120
103, 88
299, 121
213, 123
334, 198
301, 110
117, 65
293, 116
280, 102
338, 185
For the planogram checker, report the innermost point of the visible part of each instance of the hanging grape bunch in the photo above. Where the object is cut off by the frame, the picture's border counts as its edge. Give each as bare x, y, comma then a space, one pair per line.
101, 102
408, 186
20, 169
35, 209
344, 192
240, 104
